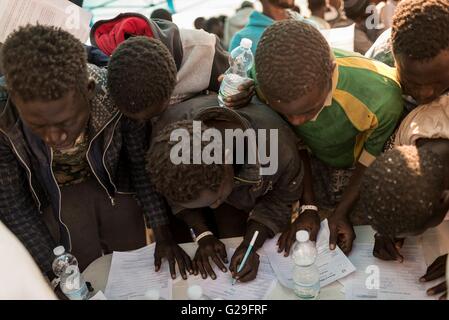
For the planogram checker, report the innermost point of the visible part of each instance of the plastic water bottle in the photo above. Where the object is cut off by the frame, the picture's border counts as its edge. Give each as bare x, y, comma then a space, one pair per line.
65, 267
195, 292
241, 61
306, 275
63, 260
73, 284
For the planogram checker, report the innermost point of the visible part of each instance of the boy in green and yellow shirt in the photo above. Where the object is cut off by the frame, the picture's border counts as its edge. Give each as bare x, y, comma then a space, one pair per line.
344, 107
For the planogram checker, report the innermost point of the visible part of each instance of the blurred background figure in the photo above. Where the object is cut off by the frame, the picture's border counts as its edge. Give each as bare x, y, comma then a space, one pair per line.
215, 25
272, 11
199, 23
365, 33
161, 14
238, 21
318, 10
334, 14
386, 11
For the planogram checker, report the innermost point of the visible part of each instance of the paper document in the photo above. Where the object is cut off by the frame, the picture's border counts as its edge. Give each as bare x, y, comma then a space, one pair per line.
99, 296
386, 280
222, 288
59, 13
132, 275
340, 38
333, 265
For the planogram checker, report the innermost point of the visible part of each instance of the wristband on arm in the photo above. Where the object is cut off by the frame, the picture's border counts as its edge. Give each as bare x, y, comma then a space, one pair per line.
305, 207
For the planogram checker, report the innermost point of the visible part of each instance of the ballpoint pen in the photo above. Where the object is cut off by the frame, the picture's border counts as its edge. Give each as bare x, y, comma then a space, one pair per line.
245, 257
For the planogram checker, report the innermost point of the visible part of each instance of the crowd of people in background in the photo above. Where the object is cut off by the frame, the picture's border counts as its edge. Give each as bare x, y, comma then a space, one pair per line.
324, 14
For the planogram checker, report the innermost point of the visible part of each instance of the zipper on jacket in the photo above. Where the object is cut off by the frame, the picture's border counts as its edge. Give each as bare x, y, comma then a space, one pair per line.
106, 168
90, 164
59, 201
248, 181
104, 154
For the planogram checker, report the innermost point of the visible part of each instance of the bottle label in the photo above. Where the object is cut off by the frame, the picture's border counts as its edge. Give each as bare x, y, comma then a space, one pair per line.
229, 86
80, 294
73, 285
307, 292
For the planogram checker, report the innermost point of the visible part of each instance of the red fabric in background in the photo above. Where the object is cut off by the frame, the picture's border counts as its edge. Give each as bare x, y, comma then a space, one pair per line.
110, 34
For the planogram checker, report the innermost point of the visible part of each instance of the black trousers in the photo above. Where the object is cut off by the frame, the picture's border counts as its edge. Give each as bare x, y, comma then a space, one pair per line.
96, 226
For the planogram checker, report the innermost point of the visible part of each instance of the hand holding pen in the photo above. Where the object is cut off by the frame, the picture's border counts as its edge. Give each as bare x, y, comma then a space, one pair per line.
245, 262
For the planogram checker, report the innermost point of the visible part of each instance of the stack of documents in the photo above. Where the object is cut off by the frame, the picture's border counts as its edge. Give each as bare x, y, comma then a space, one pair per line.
132, 275
386, 280
222, 288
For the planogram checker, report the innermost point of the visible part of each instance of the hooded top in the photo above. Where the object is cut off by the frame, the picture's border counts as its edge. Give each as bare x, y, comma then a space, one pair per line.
107, 35
198, 55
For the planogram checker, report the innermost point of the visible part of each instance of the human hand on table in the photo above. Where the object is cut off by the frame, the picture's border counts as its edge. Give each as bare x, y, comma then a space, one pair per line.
386, 248
437, 270
249, 270
242, 98
174, 254
341, 233
209, 247
309, 220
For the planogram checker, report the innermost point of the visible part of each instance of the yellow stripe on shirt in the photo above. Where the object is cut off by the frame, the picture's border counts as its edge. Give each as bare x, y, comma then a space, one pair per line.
372, 65
360, 116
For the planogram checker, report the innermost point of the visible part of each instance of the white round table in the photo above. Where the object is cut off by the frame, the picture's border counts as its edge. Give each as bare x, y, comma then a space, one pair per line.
435, 243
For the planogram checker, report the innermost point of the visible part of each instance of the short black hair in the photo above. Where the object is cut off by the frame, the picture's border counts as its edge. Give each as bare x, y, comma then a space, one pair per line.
211, 23
292, 57
141, 74
420, 28
199, 23
401, 190
181, 182
316, 4
356, 8
161, 14
43, 63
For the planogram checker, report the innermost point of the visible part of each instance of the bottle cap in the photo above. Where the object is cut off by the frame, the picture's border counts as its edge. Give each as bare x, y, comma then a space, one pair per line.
152, 294
60, 250
246, 43
302, 236
195, 292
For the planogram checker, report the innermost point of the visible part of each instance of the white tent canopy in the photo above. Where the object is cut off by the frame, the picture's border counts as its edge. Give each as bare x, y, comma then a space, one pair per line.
186, 10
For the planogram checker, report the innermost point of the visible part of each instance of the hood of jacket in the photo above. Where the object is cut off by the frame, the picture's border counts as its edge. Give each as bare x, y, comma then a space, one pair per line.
108, 34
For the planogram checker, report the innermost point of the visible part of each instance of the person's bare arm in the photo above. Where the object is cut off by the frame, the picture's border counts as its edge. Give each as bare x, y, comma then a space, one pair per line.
341, 230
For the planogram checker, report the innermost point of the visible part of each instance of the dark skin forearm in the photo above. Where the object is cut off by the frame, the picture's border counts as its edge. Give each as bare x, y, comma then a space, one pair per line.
162, 233
308, 196
351, 194
194, 218
264, 234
